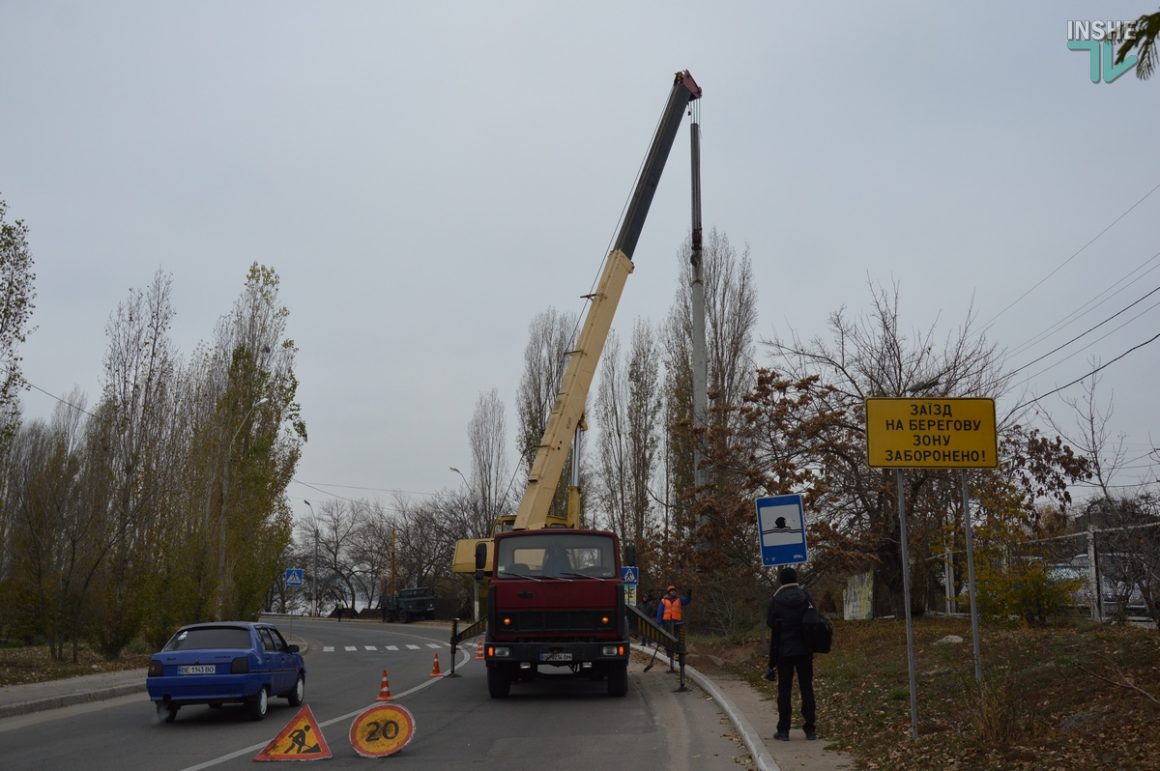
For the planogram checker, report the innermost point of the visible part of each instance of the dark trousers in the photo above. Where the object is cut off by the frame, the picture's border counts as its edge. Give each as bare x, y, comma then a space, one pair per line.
804, 666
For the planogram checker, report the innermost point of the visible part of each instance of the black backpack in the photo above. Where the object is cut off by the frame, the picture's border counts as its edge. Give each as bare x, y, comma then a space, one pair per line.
817, 630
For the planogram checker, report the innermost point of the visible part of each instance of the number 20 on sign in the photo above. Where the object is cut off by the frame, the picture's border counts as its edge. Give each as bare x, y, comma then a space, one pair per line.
381, 730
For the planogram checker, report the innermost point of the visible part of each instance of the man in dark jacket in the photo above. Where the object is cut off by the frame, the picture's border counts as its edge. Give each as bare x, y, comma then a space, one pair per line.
788, 653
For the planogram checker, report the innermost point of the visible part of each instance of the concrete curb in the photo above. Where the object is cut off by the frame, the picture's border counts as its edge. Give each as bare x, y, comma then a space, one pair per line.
749, 735
69, 699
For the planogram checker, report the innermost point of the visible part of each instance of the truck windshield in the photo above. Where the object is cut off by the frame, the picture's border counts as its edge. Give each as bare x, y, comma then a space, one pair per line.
556, 555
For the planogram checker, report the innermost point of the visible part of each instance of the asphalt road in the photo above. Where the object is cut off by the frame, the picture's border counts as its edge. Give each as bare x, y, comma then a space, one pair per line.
567, 724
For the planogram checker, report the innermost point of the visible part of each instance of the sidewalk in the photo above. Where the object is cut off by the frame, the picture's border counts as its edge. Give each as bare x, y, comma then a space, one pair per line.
53, 694
754, 717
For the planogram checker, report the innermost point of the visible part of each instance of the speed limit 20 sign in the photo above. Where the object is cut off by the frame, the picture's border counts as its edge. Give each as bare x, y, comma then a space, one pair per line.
381, 730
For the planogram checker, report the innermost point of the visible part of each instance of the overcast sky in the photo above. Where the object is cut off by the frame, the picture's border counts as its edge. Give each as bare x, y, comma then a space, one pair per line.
426, 177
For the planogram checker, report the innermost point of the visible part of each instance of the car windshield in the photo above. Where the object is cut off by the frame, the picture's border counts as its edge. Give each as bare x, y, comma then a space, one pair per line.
204, 638
556, 556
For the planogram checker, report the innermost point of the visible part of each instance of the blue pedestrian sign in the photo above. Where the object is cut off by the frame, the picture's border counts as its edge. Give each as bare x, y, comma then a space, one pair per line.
629, 574
781, 525
294, 576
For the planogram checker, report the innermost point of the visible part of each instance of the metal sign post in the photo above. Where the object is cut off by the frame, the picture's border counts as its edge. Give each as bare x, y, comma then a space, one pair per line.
971, 578
905, 549
931, 432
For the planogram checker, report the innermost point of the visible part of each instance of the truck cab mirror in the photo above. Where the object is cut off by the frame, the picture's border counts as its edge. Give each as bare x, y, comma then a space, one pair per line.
480, 556
630, 554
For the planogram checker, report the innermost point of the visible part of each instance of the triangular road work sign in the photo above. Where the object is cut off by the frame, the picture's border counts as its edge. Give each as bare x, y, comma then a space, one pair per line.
301, 739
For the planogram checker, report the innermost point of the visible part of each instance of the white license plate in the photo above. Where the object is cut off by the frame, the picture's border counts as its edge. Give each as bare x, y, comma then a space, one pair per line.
197, 669
557, 657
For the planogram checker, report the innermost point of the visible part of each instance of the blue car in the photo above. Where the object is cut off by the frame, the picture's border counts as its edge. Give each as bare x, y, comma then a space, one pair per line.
225, 661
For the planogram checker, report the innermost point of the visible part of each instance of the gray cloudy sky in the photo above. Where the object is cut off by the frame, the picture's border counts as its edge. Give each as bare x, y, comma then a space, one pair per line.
426, 177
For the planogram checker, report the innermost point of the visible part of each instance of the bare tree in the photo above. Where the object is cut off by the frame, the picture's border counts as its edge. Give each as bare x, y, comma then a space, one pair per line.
731, 315
628, 409
136, 411
874, 356
550, 338
1090, 434
486, 434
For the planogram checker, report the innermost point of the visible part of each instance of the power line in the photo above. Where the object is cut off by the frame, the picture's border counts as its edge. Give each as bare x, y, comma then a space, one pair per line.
1111, 291
1085, 377
317, 485
1086, 331
62, 401
1074, 254
1103, 337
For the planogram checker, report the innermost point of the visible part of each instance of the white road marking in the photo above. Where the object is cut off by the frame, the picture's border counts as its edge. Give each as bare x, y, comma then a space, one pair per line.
392, 647
350, 648
328, 649
340, 719
370, 647
411, 647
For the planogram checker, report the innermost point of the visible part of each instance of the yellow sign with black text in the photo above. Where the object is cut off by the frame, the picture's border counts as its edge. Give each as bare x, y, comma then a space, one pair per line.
931, 433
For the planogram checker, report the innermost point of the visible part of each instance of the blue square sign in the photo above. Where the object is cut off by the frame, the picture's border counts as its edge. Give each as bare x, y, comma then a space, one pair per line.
294, 576
781, 526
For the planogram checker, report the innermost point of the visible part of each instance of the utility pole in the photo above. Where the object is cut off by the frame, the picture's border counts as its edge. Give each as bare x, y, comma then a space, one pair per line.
314, 572
700, 355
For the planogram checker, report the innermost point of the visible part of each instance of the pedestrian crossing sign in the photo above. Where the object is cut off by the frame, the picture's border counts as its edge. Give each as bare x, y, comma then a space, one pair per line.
629, 574
294, 577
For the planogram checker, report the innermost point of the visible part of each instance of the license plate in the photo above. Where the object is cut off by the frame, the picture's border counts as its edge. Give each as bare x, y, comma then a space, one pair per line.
557, 657
197, 669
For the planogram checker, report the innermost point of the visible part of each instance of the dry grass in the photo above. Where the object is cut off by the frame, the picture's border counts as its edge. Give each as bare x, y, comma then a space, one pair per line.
1060, 697
33, 664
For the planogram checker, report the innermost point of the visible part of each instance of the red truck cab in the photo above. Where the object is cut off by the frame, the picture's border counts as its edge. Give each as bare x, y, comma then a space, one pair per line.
556, 599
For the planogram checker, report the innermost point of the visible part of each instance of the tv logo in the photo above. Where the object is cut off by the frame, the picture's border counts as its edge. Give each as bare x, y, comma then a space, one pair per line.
1099, 38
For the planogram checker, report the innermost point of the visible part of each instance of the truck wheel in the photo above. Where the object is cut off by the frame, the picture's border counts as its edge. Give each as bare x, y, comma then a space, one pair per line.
498, 682
618, 679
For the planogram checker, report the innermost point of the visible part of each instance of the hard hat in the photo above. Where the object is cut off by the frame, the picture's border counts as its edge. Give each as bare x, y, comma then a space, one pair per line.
672, 588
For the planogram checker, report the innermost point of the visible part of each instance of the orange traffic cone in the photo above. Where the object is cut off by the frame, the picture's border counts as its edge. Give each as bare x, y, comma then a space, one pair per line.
478, 650
384, 688
435, 667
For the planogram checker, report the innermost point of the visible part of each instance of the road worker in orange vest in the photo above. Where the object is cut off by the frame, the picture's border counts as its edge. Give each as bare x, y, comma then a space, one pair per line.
670, 612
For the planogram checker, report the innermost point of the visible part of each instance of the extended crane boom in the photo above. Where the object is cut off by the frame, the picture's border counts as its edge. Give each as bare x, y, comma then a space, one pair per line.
554, 592
581, 366
567, 412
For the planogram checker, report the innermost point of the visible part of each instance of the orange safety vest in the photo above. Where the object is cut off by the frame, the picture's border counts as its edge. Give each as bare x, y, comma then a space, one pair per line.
672, 608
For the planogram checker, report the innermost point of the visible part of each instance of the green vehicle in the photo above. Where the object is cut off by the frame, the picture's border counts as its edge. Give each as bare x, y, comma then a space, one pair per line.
409, 605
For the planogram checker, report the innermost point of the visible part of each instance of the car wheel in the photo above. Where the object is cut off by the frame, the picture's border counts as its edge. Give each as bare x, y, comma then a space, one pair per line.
295, 697
259, 705
618, 679
166, 711
498, 682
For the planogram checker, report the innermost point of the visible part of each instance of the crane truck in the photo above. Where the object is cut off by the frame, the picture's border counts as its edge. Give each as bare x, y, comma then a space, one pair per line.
555, 598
